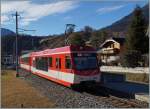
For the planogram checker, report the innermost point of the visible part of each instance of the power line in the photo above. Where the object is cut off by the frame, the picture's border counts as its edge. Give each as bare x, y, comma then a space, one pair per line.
17, 63
22, 30
25, 29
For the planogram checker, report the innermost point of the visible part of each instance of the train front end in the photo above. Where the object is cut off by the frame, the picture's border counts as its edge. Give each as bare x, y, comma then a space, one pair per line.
85, 64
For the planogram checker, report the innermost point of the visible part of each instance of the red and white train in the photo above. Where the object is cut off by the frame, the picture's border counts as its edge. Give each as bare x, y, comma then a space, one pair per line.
69, 65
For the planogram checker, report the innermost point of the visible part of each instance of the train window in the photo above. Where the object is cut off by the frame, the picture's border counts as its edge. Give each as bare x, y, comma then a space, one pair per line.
25, 60
58, 63
34, 63
84, 62
42, 63
67, 62
50, 61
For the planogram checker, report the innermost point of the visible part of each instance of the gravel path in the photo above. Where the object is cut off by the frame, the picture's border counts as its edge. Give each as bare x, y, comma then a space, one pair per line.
63, 96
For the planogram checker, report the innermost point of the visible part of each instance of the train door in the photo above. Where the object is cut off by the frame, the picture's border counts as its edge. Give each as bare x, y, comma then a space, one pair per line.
58, 67
33, 65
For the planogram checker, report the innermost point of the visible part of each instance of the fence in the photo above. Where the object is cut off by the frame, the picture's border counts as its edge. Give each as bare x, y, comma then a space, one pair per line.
124, 69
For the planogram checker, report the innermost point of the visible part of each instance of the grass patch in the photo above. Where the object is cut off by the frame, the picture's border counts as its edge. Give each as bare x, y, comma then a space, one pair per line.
144, 78
17, 93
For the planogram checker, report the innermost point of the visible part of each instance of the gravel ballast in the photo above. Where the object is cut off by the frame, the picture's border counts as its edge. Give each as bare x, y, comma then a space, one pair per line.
63, 96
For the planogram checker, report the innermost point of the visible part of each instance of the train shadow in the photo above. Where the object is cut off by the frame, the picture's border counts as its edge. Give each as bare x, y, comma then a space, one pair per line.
93, 90
101, 91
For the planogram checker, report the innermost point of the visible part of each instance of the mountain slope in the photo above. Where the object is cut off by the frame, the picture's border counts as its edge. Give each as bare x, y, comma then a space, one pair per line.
121, 25
58, 40
5, 32
25, 42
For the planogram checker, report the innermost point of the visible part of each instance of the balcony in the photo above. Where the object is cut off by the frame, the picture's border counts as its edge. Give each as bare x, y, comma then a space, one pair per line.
108, 51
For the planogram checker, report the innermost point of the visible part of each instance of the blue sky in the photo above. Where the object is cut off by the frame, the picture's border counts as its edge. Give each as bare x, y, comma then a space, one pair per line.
49, 17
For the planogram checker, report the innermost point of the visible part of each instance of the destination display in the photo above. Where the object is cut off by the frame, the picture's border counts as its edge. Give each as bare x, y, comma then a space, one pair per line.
84, 54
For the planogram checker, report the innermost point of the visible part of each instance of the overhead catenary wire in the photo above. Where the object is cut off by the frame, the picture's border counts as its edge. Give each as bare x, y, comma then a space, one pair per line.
16, 47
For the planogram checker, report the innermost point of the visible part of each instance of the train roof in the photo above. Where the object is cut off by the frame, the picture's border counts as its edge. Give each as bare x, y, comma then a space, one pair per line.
63, 50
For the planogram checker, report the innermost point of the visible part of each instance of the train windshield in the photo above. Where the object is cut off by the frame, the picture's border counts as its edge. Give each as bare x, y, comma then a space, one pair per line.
85, 62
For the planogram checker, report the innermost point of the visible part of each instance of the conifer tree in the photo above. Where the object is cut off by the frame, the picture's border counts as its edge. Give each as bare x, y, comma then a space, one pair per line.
136, 41
136, 38
76, 39
98, 37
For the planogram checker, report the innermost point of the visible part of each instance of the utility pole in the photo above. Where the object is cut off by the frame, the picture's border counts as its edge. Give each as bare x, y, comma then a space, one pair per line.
16, 48
33, 44
17, 70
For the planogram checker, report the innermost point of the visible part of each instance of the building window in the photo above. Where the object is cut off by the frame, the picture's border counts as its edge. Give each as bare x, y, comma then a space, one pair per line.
67, 62
50, 62
102, 56
112, 45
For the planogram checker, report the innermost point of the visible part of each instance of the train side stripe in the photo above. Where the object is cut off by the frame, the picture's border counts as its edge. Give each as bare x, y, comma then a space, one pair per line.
68, 77
62, 53
54, 79
58, 76
27, 67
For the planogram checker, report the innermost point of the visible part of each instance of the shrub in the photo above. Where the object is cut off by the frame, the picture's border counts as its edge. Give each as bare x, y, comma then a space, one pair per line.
131, 58
76, 39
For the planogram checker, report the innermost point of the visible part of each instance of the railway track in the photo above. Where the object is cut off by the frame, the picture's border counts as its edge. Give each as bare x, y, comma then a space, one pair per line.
103, 94
89, 97
123, 103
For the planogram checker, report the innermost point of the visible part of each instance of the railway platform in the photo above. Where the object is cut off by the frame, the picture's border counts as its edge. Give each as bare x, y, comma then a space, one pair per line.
142, 96
139, 91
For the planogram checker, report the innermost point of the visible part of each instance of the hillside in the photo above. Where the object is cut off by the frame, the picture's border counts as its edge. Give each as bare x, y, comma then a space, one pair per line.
122, 24
5, 32
25, 42
117, 27
53, 41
